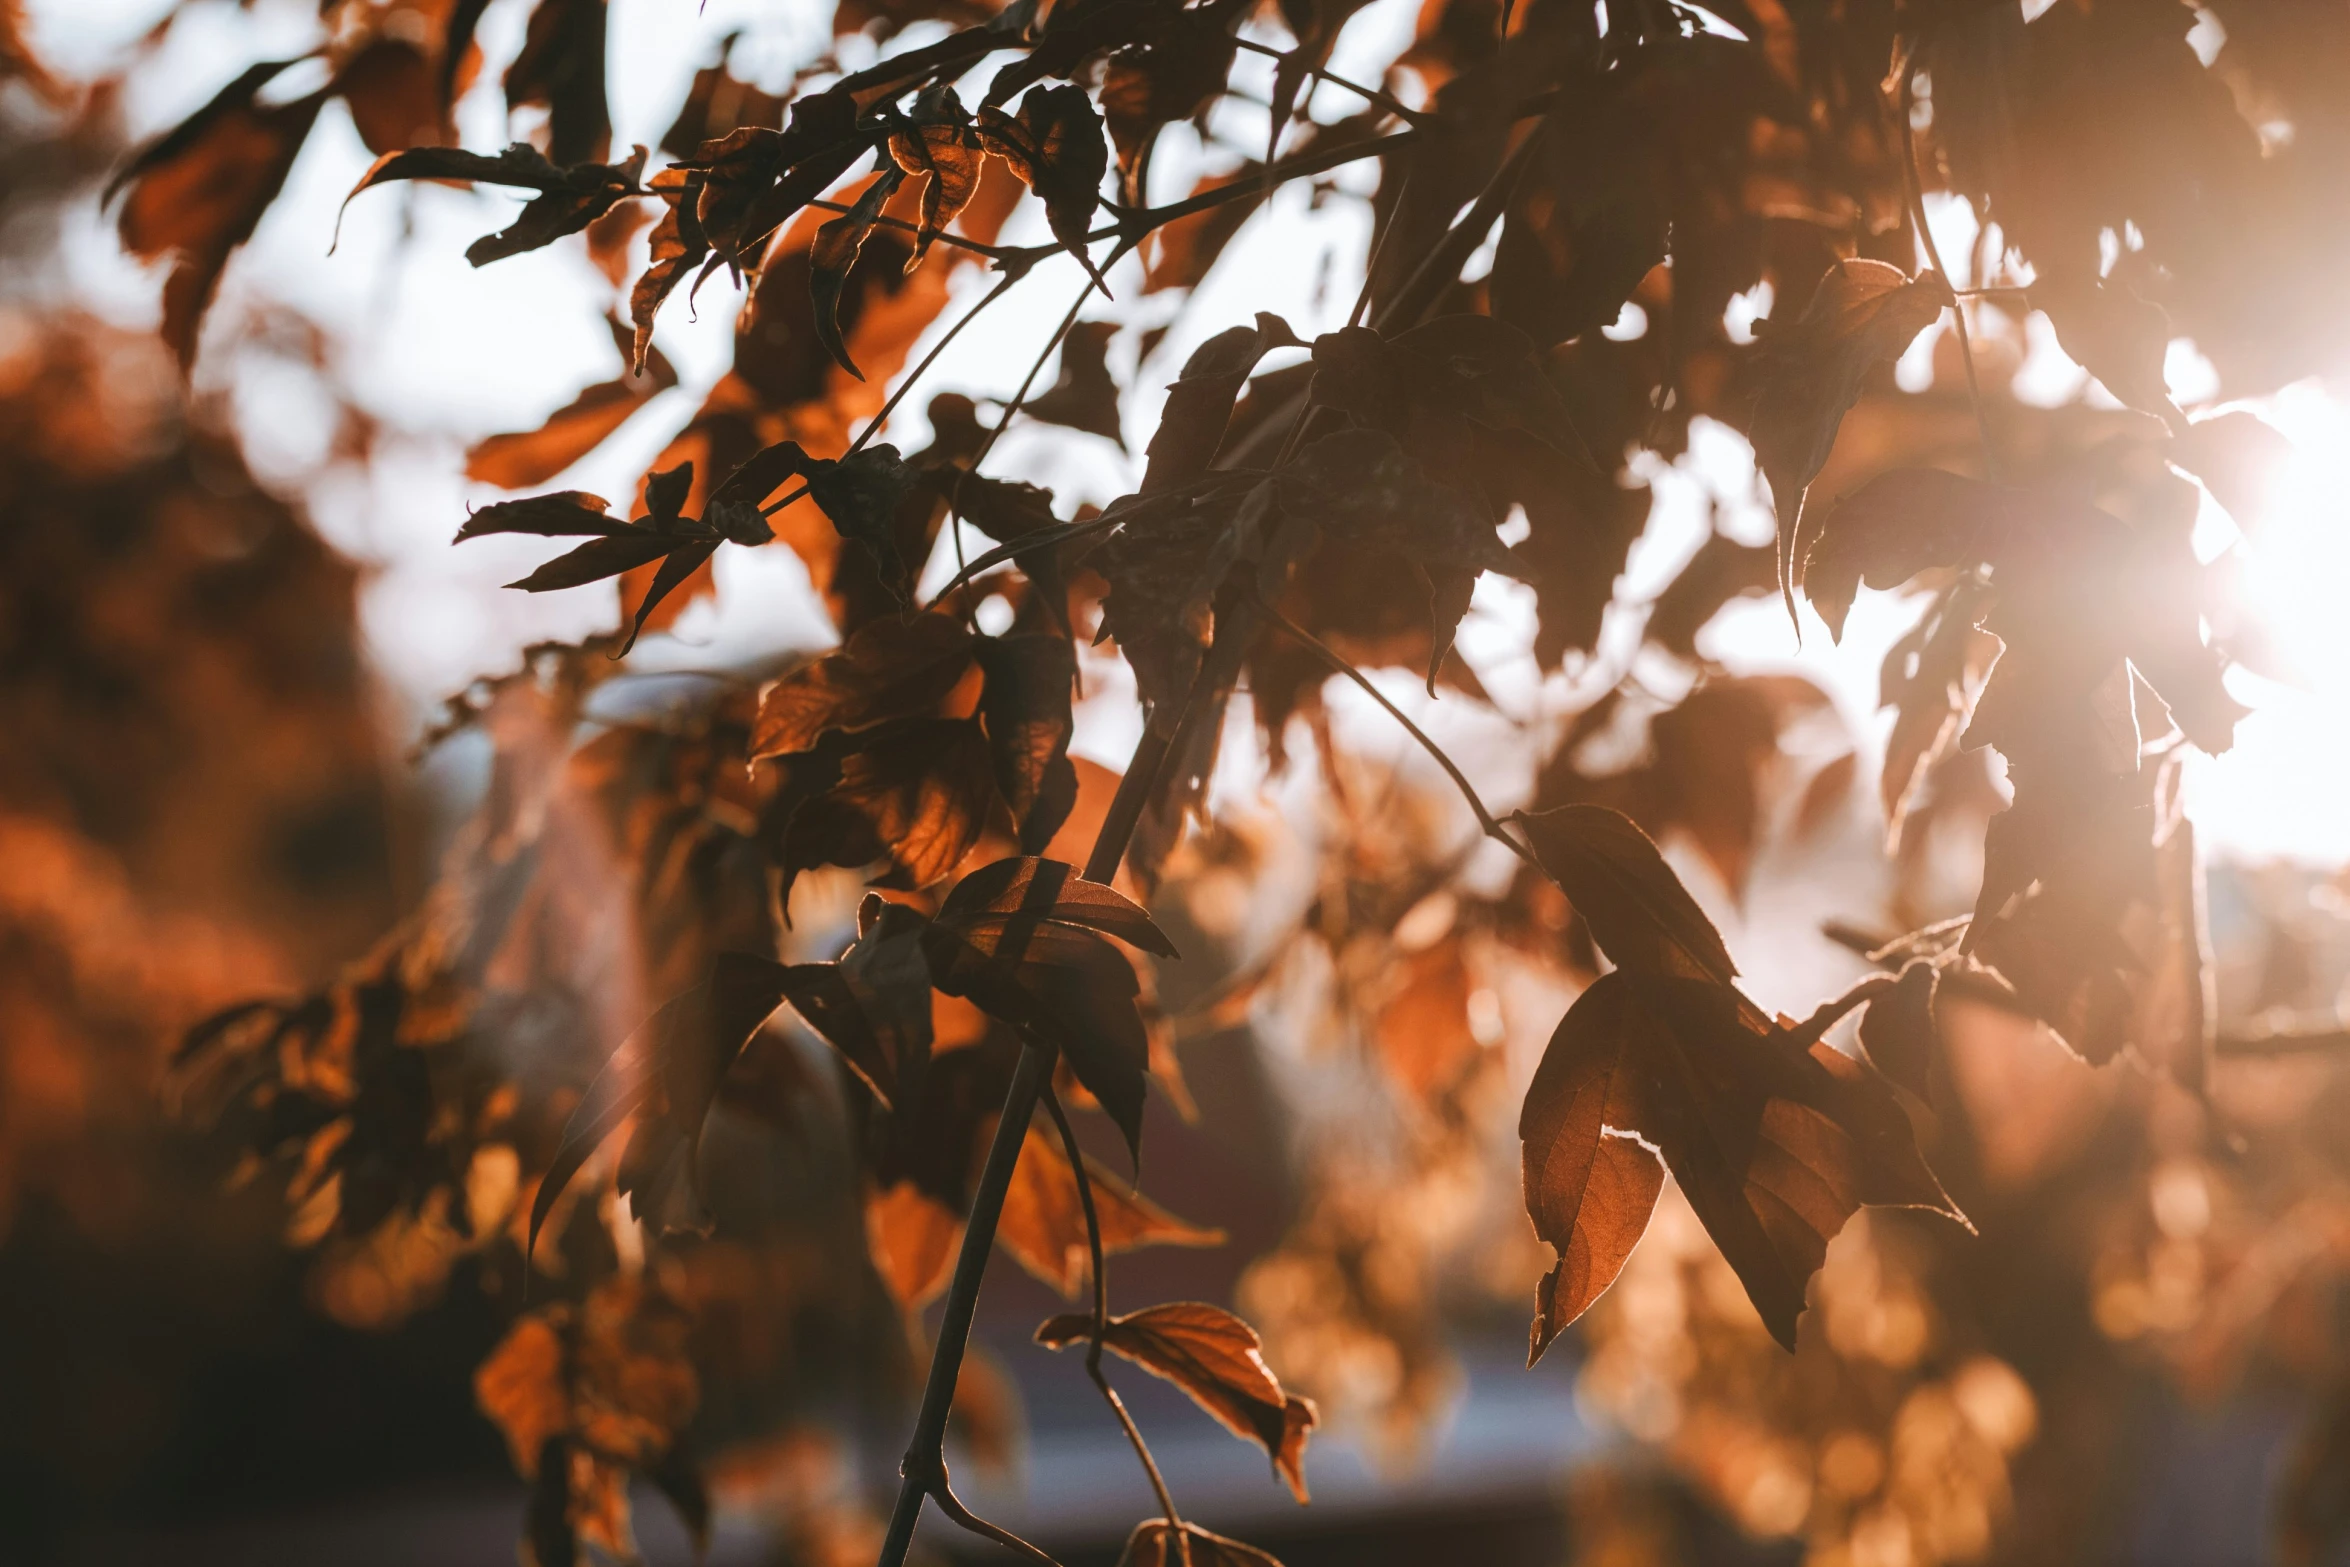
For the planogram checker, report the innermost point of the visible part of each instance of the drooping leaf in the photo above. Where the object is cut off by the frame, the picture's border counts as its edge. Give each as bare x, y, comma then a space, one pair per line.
666, 1076
677, 246
1083, 397
874, 1005
1055, 145
937, 142
1025, 706
1018, 938
198, 191
1590, 1182
1216, 1358
835, 250
561, 67
1199, 403
545, 219
1639, 913
915, 791
1775, 1138
1043, 1223
2109, 331
1899, 1033
890, 669
1810, 371
1890, 529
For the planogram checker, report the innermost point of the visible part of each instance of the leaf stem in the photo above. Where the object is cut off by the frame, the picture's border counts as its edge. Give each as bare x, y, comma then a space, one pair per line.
1101, 1319
1339, 665
1011, 276
1378, 97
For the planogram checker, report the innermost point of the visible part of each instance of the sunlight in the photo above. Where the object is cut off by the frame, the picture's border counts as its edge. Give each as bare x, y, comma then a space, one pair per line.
2275, 795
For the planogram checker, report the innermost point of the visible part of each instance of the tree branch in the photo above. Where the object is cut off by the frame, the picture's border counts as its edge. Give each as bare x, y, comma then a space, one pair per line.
1377, 97
1917, 207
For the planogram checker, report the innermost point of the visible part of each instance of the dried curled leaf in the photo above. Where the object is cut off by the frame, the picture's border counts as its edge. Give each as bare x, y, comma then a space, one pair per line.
835, 251
889, 669
916, 792
1055, 145
569, 199
1216, 1358
937, 141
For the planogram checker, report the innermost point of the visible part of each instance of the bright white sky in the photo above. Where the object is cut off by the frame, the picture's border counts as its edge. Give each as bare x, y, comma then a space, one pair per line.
445, 354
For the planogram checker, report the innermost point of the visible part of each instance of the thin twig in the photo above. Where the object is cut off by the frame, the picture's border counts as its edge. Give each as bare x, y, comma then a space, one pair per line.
1135, 225
952, 1505
1378, 97
1101, 1320
1010, 255
907, 385
1915, 182
1444, 260
1339, 665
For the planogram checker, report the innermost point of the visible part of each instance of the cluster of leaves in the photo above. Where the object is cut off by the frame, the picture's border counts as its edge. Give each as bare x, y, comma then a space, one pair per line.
1347, 501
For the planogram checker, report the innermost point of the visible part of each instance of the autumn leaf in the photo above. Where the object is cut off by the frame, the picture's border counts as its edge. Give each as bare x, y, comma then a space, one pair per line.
1150, 86
666, 1076
1898, 1030
676, 246
916, 791
517, 461
1216, 1358
1640, 914
1043, 1224
889, 669
937, 142
1590, 1181
561, 66
1153, 1544
1084, 397
1199, 403
873, 1006
835, 251
1025, 706
1775, 1138
1055, 145
1893, 527
1020, 939
1810, 371
198, 191
569, 199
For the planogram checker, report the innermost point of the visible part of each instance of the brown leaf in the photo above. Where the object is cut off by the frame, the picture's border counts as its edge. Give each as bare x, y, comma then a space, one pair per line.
911, 1236
666, 1076
1774, 1140
874, 1006
2109, 331
1216, 1358
1043, 1224
1722, 570
1810, 371
1025, 706
917, 791
1083, 397
890, 669
1149, 87
1055, 145
1590, 1182
518, 461
1018, 938
197, 192
561, 67
1152, 1544
1639, 913
938, 142
834, 252
1893, 527
1898, 1030
1199, 403
393, 94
